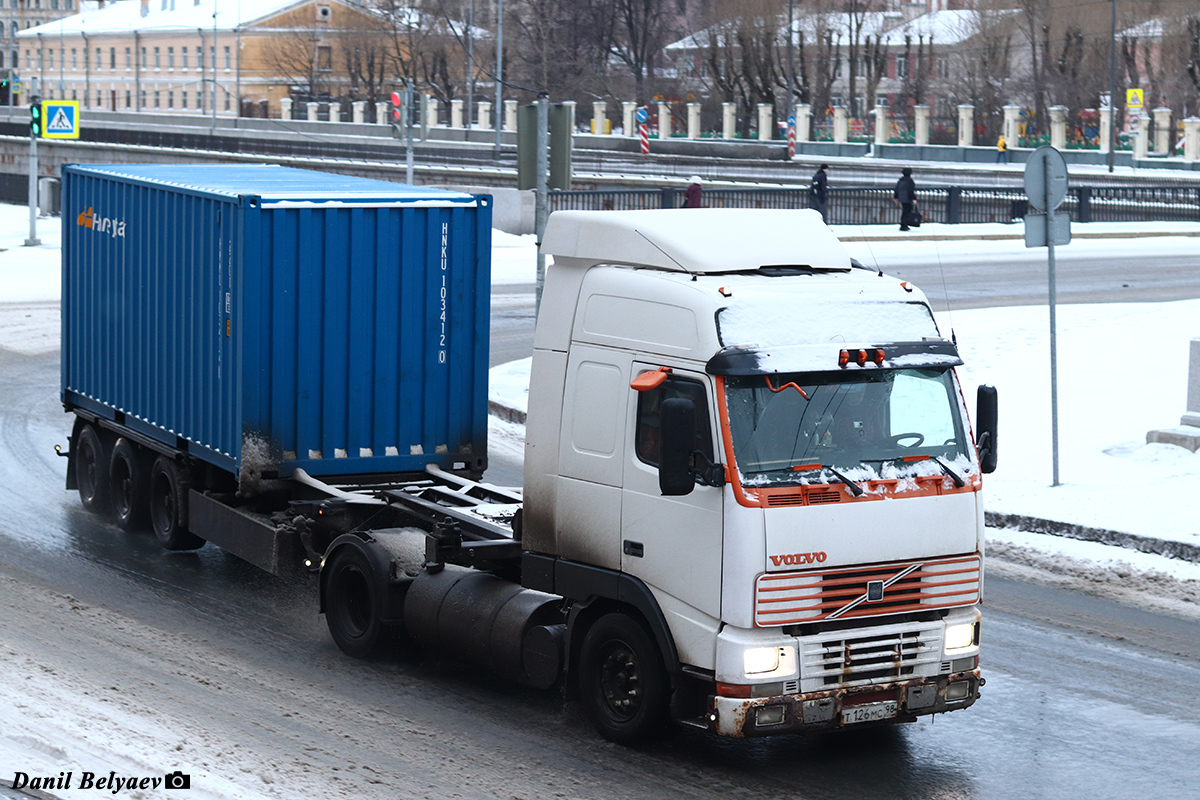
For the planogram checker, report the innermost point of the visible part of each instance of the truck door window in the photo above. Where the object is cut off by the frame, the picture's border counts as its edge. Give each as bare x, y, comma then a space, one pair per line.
647, 441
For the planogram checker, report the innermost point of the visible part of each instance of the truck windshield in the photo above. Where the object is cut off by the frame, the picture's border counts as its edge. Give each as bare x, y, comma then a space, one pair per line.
805, 427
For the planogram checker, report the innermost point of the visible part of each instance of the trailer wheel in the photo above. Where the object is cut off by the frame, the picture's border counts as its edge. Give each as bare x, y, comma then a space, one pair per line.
129, 484
168, 506
622, 683
352, 603
91, 470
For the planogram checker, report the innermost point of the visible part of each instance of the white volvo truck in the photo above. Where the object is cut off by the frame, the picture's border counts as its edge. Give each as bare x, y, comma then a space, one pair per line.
752, 497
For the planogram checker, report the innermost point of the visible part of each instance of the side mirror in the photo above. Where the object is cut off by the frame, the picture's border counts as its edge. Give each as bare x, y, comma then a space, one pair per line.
678, 432
985, 420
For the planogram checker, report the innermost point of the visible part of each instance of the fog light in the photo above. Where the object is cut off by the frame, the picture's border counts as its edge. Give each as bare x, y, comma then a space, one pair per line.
768, 715
958, 691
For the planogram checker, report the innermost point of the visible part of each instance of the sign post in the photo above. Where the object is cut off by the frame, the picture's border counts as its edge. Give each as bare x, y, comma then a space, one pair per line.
644, 130
791, 136
1046, 188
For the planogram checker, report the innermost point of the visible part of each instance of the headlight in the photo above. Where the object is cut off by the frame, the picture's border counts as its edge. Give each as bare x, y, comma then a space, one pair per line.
960, 636
762, 660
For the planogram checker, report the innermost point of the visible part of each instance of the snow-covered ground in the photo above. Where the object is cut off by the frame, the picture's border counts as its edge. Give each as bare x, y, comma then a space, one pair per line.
1122, 372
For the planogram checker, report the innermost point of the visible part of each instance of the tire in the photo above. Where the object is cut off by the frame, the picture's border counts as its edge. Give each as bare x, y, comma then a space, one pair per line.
353, 603
91, 470
129, 483
622, 682
168, 490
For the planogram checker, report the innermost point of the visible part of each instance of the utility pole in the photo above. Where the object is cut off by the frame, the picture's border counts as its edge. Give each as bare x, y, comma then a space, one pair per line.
470, 62
499, 111
35, 132
540, 211
1112, 89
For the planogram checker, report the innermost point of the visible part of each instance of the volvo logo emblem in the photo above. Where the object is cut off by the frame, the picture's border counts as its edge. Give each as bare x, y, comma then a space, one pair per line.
874, 591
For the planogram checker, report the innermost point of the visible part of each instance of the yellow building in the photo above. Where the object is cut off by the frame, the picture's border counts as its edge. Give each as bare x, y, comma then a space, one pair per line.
187, 55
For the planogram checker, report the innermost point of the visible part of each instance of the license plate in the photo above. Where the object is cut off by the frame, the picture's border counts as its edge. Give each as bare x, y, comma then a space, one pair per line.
872, 712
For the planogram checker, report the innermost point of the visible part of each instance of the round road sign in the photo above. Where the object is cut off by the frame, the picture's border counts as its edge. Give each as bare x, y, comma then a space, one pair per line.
1046, 178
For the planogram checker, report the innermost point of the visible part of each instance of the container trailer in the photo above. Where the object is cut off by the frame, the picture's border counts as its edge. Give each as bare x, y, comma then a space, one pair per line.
752, 496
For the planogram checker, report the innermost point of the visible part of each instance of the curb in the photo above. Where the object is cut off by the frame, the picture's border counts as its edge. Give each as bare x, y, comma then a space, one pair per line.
1143, 544
994, 519
956, 237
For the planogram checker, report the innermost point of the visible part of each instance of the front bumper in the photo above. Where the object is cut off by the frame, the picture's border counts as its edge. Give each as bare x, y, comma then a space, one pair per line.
740, 717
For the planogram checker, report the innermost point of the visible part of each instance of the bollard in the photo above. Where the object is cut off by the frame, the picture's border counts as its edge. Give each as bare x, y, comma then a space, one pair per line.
285, 108
1105, 128
803, 122
881, 124
1191, 139
628, 112
431, 113
358, 110
664, 121
510, 115
456, 113
1012, 125
1162, 130
312, 109
1058, 127
485, 115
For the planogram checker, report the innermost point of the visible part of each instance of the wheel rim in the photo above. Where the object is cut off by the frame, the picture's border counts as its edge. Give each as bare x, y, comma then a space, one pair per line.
86, 474
620, 686
162, 505
123, 487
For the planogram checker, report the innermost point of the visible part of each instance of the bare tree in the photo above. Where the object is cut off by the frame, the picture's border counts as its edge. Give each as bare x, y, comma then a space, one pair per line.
639, 31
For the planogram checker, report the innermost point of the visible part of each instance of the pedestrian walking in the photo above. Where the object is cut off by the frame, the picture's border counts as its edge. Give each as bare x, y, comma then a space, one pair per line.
1001, 150
818, 194
905, 196
693, 197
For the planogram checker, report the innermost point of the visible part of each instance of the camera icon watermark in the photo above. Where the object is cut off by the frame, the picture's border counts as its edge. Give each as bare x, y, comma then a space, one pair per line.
177, 780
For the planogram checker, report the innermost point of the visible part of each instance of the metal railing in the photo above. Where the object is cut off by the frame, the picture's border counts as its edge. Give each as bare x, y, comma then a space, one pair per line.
953, 205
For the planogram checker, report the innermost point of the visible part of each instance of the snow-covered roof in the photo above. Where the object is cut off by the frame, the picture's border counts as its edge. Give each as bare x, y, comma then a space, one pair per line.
125, 16
701, 240
948, 27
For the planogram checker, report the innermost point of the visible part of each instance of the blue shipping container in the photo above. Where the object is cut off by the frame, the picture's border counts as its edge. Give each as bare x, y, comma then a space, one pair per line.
265, 318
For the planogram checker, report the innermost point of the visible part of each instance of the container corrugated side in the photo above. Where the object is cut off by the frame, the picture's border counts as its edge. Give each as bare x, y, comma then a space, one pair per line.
344, 336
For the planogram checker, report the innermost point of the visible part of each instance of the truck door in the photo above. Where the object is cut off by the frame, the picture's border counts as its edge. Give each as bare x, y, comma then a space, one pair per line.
673, 544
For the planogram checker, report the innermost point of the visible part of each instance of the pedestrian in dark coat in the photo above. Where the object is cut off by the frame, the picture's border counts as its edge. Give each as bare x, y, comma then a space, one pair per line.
818, 192
692, 198
905, 196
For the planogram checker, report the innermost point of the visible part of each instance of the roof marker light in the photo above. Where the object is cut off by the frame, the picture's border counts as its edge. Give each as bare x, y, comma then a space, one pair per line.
725, 292
879, 356
862, 357
843, 358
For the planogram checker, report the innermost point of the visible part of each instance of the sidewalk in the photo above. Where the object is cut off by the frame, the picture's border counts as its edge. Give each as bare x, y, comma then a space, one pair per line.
992, 231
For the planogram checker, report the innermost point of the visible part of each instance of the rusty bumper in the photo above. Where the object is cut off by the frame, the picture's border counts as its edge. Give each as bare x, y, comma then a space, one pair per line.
768, 716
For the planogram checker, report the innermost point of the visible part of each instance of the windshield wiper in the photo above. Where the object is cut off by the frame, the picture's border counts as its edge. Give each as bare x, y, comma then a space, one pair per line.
959, 479
854, 488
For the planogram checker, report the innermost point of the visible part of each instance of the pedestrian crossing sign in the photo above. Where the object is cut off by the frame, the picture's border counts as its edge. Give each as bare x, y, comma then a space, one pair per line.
61, 119
1133, 98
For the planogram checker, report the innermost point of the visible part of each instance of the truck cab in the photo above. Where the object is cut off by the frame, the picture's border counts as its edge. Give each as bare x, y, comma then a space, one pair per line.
750, 469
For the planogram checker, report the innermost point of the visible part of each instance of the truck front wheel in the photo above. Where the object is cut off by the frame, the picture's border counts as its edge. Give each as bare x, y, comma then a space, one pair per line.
91, 470
622, 683
352, 602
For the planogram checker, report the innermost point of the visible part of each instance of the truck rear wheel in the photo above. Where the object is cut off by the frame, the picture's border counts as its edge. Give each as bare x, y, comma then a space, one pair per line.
168, 506
91, 470
622, 682
352, 603
127, 470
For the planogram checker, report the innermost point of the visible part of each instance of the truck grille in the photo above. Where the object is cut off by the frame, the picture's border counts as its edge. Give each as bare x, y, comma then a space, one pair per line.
794, 597
854, 658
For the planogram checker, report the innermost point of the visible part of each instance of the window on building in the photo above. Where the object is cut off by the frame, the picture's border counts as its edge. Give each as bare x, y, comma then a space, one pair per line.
1, 60
67, 4
212, 56
50, 57
142, 99
128, 59
901, 67
54, 4
228, 59
99, 99
157, 58
143, 60
157, 99
170, 58
99, 60
74, 94
324, 58
943, 67
227, 101
112, 58
15, 65
74, 59
183, 57
183, 99
128, 99
171, 99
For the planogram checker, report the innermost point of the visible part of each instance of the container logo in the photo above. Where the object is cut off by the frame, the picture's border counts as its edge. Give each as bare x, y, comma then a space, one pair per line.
99, 224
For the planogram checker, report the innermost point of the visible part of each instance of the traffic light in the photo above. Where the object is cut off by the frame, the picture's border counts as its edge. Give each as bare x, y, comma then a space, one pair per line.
4, 91
397, 102
35, 116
